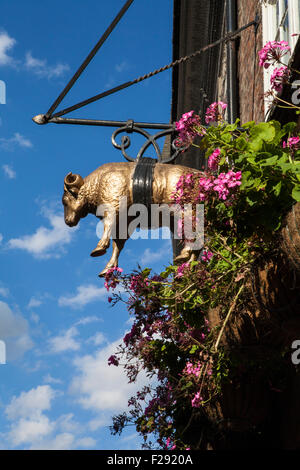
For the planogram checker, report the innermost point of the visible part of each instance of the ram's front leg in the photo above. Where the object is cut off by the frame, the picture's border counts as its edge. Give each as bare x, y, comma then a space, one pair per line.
109, 220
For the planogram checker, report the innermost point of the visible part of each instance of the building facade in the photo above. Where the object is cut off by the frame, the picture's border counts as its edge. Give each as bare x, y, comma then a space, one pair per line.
230, 72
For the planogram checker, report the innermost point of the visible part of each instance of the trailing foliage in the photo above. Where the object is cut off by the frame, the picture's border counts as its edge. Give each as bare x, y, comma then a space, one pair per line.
251, 181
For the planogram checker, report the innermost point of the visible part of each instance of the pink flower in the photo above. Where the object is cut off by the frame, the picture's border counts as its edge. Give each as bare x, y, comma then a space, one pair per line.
111, 281
197, 400
213, 160
279, 77
189, 126
193, 369
169, 444
182, 269
292, 143
272, 52
206, 256
215, 111
227, 181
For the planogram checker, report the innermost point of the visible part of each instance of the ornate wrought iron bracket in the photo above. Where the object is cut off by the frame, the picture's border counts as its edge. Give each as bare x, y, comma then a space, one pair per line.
128, 127
151, 141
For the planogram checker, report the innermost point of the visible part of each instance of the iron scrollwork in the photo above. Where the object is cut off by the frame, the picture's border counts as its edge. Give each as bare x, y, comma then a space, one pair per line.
151, 140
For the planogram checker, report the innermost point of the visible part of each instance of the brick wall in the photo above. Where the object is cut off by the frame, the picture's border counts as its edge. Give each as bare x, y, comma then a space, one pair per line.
250, 75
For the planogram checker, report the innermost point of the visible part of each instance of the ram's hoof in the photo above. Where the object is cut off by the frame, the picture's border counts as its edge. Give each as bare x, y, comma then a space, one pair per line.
98, 252
105, 270
182, 257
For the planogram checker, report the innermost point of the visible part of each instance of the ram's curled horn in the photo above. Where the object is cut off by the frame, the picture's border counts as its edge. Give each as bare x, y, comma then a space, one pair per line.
73, 182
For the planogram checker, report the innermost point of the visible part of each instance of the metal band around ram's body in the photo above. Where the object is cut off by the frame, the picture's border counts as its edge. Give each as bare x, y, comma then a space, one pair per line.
143, 181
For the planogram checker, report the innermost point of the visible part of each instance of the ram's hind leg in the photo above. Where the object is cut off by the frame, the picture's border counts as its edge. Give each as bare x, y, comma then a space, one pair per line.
113, 262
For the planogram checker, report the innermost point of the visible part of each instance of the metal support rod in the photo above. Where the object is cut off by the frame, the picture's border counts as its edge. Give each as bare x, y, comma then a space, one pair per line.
88, 59
97, 122
232, 92
44, 118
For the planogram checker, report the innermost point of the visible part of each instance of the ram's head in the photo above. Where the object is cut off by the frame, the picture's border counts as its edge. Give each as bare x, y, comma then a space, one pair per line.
72, 210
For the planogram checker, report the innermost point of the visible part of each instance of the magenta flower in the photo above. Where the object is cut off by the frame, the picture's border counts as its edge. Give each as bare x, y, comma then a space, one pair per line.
206, 256
279, 77
193, 369
215, 111
189, 126
272, 52
182, 269
213, 160
112, 360
292, 143
197, 400
226, 181
111, 281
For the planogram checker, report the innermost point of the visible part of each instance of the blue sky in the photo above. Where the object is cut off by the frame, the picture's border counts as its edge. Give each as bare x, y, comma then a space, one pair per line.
56, 389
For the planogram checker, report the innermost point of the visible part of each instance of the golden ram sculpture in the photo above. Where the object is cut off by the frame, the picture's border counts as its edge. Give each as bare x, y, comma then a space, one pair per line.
105, 187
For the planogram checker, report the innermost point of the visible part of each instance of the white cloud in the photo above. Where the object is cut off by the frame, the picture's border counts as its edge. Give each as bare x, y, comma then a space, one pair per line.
45, 242
30, 404
27, 430
6, 44
87, 320
85, 295
97, 339
18, 140
121, 66
1, 238
14, 332
4, 291
42, 69
51, 380
9, 172
34, 302
65, 341
33, 429
35, 318
150, 256
101, 388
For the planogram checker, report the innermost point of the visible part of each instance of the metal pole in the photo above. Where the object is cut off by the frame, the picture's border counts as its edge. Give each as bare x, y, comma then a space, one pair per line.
232, 93
39, 119
88, 59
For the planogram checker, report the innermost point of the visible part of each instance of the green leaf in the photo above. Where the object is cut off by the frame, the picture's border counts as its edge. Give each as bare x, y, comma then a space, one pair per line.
270, 161
248, 125
277, 188
289, 127
296, 193
265, 131
241, 143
